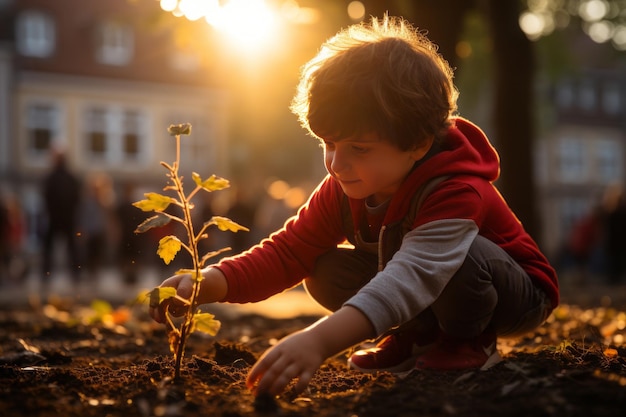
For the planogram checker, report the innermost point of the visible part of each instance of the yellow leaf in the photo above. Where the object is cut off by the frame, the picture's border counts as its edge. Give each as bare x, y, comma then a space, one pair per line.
101, 307
205, 323
213, 183
225, 224
154, 202
168, 248
192, 272
158, 294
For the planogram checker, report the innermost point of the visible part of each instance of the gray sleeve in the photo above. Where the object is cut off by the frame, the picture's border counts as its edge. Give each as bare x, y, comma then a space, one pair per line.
417, 274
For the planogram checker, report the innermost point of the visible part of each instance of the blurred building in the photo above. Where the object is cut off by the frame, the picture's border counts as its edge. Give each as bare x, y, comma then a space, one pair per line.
102, 81
582, 150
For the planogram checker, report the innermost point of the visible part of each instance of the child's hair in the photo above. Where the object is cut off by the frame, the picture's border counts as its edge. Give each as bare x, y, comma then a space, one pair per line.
383, 77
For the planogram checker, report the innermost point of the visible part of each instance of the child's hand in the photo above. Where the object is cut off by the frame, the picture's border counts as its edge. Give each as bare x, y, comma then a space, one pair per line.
212, 288
183, 284
298, 356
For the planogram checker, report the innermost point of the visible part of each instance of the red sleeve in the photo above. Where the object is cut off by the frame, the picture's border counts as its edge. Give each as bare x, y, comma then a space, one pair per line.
288, 255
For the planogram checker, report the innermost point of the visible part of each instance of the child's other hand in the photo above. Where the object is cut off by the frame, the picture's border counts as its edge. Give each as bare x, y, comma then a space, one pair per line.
298, 356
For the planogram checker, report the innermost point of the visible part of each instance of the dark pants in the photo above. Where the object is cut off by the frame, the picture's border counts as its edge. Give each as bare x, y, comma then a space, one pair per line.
68, 234
490, 290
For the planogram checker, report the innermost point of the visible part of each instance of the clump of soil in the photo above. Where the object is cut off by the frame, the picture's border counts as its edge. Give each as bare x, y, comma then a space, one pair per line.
72, 361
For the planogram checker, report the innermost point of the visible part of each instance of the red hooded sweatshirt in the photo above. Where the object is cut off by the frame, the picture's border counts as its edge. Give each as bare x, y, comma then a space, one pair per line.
463, 206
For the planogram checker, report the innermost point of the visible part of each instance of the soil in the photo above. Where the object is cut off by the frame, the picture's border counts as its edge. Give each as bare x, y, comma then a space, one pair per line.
68, 360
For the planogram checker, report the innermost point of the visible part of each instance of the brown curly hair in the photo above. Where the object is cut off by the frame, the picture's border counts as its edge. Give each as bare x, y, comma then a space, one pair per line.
384, 77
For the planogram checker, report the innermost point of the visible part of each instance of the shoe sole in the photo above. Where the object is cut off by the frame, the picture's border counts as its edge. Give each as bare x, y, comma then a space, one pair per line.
402, 367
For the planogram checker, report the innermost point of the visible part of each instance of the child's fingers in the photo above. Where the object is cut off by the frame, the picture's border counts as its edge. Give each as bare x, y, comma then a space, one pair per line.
184, 286
257, 372
158, 313
283, 377
303, 380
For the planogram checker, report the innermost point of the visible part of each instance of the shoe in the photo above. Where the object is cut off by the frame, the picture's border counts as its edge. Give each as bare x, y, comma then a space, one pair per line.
395, 353
458, 354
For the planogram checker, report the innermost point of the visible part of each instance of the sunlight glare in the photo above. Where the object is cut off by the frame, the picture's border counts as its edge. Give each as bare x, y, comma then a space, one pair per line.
356, 10
191, 9
169, 5
532, 25
600, 32
277, 189
247, 23
619, 38
593, 10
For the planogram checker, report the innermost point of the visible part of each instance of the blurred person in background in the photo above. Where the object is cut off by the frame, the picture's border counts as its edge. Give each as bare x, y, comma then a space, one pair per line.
585, 242
129, 244
13, 264
615, 233
61, 192
96, 220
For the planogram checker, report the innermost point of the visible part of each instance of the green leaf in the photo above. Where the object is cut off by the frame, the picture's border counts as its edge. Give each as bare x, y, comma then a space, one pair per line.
205, 323
168, 248
226, 224
154, 202
155, 221
179, 129
213, 183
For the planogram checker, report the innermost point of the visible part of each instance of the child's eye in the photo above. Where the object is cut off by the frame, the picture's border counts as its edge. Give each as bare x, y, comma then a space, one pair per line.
359, 149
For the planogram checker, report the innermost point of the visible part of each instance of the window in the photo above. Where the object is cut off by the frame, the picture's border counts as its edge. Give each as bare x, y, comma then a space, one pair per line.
114, 136
608, 160
131, 135
114, 44
611, 99
96, 133
35, 34
565, 94
572, 162
587, 96
41, 127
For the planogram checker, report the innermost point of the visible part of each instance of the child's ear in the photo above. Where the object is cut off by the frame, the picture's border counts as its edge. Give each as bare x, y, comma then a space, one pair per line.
422, 149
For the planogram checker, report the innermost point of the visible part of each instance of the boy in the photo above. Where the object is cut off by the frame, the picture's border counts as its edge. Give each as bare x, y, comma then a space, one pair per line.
440, 265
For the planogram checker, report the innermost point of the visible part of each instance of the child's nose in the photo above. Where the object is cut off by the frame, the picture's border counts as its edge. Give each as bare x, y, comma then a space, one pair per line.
337, 161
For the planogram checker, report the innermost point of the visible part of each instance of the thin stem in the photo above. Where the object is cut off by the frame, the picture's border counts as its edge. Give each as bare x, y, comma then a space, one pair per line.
193, 250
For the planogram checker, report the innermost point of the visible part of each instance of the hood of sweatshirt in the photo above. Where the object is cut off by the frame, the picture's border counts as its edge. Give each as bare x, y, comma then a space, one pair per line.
465, 150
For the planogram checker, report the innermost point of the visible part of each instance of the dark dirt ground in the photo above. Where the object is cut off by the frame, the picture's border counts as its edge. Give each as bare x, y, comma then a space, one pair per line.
63, 359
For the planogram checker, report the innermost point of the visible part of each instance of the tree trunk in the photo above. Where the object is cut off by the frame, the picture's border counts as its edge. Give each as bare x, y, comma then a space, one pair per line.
513, 121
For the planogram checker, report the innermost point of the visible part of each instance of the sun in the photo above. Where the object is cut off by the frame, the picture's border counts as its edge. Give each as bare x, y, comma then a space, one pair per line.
247, 25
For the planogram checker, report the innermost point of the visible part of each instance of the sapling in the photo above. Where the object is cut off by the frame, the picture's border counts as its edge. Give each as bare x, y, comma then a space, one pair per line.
170, 246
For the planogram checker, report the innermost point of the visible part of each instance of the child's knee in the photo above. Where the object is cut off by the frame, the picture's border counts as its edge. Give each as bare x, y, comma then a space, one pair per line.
338, 275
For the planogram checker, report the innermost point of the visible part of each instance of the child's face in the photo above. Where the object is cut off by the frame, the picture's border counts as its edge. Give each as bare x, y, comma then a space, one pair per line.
369, 166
